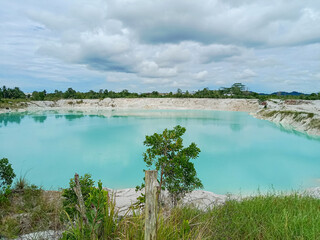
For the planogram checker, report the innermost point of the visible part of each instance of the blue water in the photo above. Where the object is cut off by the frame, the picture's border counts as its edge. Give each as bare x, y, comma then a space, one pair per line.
238, 152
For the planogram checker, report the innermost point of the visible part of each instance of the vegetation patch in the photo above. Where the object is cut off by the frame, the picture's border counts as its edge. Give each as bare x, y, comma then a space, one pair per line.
13, 103
315, 123
30, 210
298, 116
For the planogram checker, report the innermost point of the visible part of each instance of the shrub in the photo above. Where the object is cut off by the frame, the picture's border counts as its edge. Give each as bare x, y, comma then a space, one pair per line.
6, 173
101, 218
70, 198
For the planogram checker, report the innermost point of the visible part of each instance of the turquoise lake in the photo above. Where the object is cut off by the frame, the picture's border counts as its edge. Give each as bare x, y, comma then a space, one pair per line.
239, 154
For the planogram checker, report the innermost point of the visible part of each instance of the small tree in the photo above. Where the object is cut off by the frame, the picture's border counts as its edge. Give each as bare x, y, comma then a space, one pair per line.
172, 161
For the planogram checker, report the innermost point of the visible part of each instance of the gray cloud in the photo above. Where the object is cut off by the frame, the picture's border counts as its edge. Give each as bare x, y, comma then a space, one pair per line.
246, 22
200, 76
246, 74
218, 52
162, 43
172, 54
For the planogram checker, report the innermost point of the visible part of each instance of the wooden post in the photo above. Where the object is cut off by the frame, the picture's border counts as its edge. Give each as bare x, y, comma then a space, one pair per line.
81, 207
151, 193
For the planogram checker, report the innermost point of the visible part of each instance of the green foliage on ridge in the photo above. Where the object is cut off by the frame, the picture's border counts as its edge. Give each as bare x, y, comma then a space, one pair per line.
237, 90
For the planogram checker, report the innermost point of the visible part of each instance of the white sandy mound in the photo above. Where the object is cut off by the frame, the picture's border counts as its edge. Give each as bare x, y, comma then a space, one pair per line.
245, 105
124, 198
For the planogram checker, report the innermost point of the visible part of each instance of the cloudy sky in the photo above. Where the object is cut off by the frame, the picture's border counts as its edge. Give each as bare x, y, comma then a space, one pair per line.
144, 45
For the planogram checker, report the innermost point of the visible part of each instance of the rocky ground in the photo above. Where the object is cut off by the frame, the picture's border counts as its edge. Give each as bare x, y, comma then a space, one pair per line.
298, 115
245, 105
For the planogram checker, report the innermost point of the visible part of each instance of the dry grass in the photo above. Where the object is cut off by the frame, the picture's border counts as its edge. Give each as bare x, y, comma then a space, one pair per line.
30, 210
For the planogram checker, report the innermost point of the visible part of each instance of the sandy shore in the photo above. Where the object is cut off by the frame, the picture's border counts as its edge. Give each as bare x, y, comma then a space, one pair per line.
200, 199
124, 198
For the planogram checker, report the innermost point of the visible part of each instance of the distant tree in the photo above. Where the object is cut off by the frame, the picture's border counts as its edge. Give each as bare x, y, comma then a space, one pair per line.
42, 95
58, 94
17, 93
124, 93
39, 96
187, 94
155, 94
91, 94
112, 94
237, 88
313, 96
70, 93
166, 153
4, 92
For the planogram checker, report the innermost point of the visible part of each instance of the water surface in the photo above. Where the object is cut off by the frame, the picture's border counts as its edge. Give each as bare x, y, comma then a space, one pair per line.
238, 152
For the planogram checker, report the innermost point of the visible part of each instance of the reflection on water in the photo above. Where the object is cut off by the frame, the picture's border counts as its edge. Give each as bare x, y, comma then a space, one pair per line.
235, 127
70, 117
237, 150
10, 118
39, 118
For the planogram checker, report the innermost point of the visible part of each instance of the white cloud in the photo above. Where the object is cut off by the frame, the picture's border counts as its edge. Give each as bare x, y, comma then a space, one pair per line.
246, 74
172, 54
246, 22
152, 70
200, 75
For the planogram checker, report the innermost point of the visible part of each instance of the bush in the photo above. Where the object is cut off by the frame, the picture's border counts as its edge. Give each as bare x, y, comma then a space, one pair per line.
6, 174
100, 222
70, 198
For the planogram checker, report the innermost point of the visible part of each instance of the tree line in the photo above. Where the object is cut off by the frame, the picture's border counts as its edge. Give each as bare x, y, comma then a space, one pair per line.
237, 90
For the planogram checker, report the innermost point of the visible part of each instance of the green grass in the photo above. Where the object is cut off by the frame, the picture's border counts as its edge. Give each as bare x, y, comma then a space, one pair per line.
267, 217
315, 124
296, 115
261, 217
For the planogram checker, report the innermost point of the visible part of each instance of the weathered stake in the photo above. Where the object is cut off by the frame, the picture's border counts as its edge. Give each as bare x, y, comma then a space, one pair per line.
81, 207
151, 193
